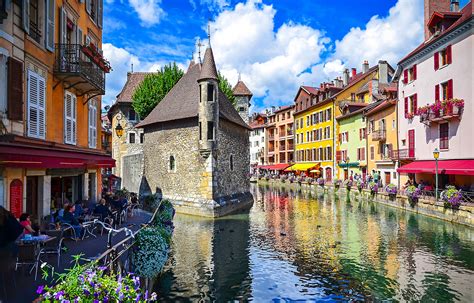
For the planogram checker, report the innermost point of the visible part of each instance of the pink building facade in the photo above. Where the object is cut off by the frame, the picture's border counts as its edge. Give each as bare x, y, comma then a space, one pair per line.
436, 106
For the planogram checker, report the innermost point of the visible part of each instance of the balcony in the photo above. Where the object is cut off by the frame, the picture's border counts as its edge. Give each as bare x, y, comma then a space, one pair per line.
438, 112
271, 137
81, 68
379, 135
403, 154
291, 147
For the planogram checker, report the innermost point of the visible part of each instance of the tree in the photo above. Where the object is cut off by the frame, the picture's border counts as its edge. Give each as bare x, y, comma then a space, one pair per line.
154, 88
226, 88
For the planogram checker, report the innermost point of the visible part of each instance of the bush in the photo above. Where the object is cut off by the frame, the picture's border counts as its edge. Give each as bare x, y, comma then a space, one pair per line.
391, 189
413, 193
452, 197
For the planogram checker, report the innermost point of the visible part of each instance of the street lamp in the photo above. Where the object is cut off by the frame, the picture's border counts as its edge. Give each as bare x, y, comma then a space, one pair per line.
119, 130
436, 156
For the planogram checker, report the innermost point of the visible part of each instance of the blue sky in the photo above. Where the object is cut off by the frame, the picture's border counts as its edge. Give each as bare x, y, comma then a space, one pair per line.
275, 45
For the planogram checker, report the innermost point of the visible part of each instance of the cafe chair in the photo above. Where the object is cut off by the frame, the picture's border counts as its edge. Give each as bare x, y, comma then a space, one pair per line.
54, 246
28, 255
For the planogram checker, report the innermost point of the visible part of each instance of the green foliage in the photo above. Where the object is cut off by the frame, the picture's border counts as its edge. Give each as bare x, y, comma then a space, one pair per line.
92, 283
154, 88
122, 193
226, 88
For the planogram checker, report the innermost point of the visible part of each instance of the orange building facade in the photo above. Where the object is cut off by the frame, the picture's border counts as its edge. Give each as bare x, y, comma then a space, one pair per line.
279, 135
52, 67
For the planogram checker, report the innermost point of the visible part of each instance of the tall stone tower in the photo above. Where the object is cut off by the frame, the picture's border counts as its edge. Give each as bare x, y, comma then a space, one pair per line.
208, 104
242, 96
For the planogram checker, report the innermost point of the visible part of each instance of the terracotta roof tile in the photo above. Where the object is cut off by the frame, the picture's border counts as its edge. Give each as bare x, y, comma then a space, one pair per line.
311, 90
133, 81
240, 89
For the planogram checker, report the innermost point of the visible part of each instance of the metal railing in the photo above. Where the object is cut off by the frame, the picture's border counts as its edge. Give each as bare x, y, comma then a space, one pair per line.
70, 59
467, 196
403, 154
379, 135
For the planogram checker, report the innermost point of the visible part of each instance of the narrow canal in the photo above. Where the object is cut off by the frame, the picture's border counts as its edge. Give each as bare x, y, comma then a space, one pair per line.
293, 245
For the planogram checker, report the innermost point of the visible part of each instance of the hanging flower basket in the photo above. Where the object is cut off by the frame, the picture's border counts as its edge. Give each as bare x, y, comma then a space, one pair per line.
413, 194
452, 197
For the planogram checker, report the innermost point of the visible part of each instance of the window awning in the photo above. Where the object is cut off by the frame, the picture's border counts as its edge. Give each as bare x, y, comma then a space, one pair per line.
274, 167
29, 157
447, 167
303, 167
350, 164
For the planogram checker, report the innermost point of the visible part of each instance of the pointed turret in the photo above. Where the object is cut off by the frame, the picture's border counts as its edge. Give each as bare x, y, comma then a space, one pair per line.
208, 69
242, 96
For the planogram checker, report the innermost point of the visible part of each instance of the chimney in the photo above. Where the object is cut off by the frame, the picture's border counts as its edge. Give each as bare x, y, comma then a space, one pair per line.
354, 72
365, 66
383, 72
346, 77
455, 5
432, 6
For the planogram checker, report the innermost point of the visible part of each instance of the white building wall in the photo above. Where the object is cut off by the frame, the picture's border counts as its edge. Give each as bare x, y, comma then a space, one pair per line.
257, 142
461, 70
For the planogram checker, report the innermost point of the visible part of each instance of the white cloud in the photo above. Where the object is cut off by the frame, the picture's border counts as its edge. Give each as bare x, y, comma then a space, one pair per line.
272, 63
389, 38
149, 11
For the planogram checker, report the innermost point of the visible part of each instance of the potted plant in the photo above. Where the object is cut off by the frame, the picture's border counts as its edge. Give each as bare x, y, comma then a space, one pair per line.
348, 184
374, 188
283, 178
309, 180
337, 184
320, 181
360, 185
413, 193
391, 190
452, 197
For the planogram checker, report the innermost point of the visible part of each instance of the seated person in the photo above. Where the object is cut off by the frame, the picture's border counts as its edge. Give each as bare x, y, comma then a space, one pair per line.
70, 219
102, 210
79, 211
26, 223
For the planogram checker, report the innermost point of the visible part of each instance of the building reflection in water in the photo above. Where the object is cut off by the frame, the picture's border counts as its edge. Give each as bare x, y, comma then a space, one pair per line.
299, 245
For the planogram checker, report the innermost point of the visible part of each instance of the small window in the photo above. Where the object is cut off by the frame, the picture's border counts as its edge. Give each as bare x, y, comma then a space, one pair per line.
231, 162
444, 57
200, 130
172, 164
210, 130
142, 138
210, 92
372, 153
444, 89
444, 136
132, 116
131, 138
353, 97
241, 109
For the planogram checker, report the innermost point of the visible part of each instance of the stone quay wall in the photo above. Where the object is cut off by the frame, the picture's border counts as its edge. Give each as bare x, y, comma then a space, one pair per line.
464, 215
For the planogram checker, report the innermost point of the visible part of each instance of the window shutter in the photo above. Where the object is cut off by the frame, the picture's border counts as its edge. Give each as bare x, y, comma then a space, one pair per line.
347, 136
360, 133
449, 54
415, 104
62, 26
405, 76
414, 72
50, 9
36, 105
88, 6
92, 125
79, 36
41, 107
450, 89
100, 4
436, 61
406, 107
26, 15
15, 89
437, 92
340, 137
70, 118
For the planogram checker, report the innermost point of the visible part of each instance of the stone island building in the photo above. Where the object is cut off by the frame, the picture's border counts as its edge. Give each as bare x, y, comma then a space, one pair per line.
196, 147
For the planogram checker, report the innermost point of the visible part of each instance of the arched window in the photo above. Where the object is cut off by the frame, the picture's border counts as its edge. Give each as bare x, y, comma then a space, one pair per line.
231, 162
172, 163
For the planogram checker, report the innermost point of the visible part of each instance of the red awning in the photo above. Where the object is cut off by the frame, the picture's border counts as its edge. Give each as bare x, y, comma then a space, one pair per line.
447, 167
26, 157
274, 167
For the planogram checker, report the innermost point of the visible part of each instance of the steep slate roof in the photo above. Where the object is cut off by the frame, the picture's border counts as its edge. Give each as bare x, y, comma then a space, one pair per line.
310, 90
466, 14
133, 81
182, 101
209, 70
240, 89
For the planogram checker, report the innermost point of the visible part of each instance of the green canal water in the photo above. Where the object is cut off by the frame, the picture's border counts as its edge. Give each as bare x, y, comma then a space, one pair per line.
294, 245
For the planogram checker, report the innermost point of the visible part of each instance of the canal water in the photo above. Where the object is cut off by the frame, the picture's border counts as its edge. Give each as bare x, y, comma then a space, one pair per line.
297, 245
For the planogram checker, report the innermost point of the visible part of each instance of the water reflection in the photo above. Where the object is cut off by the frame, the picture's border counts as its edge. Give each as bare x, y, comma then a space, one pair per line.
304, 245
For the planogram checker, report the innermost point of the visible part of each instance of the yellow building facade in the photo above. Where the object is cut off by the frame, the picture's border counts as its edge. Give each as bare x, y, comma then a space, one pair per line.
314, 131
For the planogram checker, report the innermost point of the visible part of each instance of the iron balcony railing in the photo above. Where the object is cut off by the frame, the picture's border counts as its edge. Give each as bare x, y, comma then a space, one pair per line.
379, 135
403, 154
74, 66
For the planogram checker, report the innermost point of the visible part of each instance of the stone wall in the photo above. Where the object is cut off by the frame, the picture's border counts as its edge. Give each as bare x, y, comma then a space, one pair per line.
233, 142
178, 139
132, 170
